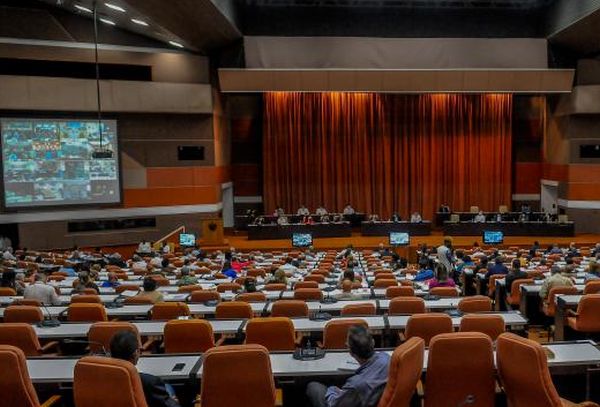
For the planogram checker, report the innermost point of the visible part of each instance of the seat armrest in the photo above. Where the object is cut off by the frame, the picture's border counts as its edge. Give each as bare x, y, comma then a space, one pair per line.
51, 401
220, 341
50, 345
572, 313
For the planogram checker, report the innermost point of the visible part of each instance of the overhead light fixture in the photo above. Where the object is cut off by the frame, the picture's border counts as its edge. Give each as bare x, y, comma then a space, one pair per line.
139, 22
115, 7
176, 44
84, 9
107, 21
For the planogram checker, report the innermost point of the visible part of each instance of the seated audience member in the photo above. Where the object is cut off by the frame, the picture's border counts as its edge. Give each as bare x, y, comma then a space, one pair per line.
572, 251
441, 278
8, 254
288, 266
534, 248
9, 280
111, 280
149, 285
497, 268
282, 220
381, 251
556, 279
166, 267
479, 218
515, 273
84, 282
348, 275
137, 263
554, 249
321, 211
228, 270
186, 278
302, 211
348, 210
366, 386
166, 248
592, 272
278, 277
41, 291
144, 247
416, 218
542, 266
425, 270
570, 266
95, 270
398, 262
124, 345
116, 259
395, 217
346, 293
596, 250
238, 264
249, 285
444, 208
482, 266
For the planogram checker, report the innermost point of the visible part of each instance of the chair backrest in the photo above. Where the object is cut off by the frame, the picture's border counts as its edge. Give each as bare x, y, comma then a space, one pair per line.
84, 312
275, 287
477, 303
86, 298
407, 305
203, 296
515, 288
336, 331
188, 336
7, 292
399, 291
444, 291
188, 288
22, 335
15, 383
252, 297
233, 309
523, 370
404, 373
120, 385
254, 388
306, 284
471, 354
102, 333
550, 304
126, 287
23, 313
490, 324
138, 300
169, 310
274, 333
385, 283
308, 294
592, 287
289, 308
492, 283
588, 310
317, 278
234, 287
426, 326
358, 309
27, 301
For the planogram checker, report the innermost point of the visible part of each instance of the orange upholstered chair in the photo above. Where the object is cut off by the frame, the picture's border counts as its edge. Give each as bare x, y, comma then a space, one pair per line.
15, 383
136, 300
399, 291
444, 291
233, 287
586, 318
306, 284
23, 336
255, 388
426, 326
188, 288
127, 287
514, 297
120, 385
404, 373
86, 313
477, 303
549, 306
203, 296
233, 309
592, 287
336, 332
275, 333
523, 369
471, 354
492, 283
407, 306
23, 313
102, 333
385, 283
7, 292
275, 287
188, 336
252, 297
317, 278
489, 324
290, 309
28, 301
308, 294
169, 310
358, 309
86, 298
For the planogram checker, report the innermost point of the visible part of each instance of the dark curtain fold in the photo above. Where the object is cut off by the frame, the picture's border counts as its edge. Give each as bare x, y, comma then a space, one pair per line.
385, 153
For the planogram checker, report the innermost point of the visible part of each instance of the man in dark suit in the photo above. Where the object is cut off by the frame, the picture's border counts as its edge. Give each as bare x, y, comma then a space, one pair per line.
124, 345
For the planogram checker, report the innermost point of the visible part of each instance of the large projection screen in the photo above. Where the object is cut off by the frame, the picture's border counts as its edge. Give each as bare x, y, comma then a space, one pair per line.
49, 162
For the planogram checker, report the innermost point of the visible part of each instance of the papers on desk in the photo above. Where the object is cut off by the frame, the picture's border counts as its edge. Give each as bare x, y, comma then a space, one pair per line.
349, 365
129, 293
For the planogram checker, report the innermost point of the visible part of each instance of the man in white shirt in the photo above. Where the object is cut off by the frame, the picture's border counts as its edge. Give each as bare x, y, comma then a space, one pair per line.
166, 249
303, 211
144, 247
444, 253
349, 210
479, 218
8, 254
288, 267
138, 263
321, 211
41, 291
416, 218
156, 262
279, 211
282, 220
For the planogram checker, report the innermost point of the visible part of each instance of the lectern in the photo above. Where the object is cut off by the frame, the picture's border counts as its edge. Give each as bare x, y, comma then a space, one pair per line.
212, 232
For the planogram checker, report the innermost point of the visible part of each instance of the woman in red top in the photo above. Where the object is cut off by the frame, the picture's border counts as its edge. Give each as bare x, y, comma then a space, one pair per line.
441, 278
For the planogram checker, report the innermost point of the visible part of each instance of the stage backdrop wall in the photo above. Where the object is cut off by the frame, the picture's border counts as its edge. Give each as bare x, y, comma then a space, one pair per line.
386, 153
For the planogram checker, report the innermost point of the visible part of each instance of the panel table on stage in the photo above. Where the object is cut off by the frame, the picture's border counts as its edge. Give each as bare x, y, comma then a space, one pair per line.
243, 221
270, 232
510, 228
384, 228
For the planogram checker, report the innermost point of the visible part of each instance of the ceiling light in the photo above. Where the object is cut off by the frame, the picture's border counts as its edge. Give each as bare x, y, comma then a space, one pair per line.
115, 7
139, 22
175, 44
81, 8
106, 21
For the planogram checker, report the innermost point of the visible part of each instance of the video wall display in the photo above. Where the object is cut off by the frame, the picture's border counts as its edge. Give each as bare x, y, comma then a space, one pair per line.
49, 162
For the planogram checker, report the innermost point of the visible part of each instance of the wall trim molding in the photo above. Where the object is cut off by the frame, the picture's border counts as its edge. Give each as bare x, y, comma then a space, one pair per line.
549, 182
247, 199
526, 197
565, 203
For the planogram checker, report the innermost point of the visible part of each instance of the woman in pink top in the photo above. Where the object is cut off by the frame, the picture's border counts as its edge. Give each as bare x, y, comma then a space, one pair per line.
441, 278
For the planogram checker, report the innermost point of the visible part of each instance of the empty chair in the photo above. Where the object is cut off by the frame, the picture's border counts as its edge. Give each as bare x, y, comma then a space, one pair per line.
468, 354
586, 318
592, 287
120, 385
100, 334
28, 301
256, 389
274, 333
188, 288
318, 278
252, 297
406, 365
203, 296
358, 309
399, 291
426, 326
308, 294
233, 287
514, 297
407, 306
549, 306
15, 384
336, 331
384, 283
477, 303
444, 291
275, 287
306, 284
23, 336
23, 313
127, 287
188, 336
85, 312
169, 310
86, 298
233, 310
7, 292
490, 324
290, 309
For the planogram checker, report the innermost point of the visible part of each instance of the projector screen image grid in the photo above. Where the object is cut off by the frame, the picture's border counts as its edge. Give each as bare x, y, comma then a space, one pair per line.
49, 162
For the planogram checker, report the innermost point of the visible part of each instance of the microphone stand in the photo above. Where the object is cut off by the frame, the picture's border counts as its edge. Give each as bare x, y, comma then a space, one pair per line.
50, 322
85, 342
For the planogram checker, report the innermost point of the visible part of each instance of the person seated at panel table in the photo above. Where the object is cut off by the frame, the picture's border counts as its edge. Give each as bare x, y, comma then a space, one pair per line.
373, 218
41, 291
279, 211
303, 211
497, 268
348, 210
396, 217
124, 345
416, 218
479, 218
515, 273
525, 208
308, 220
84, 281
324, 219
441, 278
282, 220
524, 217
444, 208
366, 386
111, 280
498, 217
144, 247
149, 285
321, 211
186, 278
556, 279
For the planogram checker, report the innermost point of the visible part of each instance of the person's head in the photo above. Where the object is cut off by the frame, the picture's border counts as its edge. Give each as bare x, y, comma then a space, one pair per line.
516, 265
441, 273
349, 275
83, 277
447, 241
536, 243
569, 261
125, 345
381, 246
149, 284
164, 263
288, 260
280, 276
460, 254
39, 277
360, 343
226, 265
498, 260
555, 270
594, 268
346, 286
483, 261
185, 271
542, 262
475, 244
8, 278
112, 277
250, 285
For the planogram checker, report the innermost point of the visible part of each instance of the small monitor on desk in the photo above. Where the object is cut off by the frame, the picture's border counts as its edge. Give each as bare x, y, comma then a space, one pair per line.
399, 239
493, 237
187, 240
302, 239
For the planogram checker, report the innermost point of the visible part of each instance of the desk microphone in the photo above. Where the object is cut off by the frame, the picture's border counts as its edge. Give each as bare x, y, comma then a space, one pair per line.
329, 299
469, 400
321, 316
117, 302
86, 342
50, 322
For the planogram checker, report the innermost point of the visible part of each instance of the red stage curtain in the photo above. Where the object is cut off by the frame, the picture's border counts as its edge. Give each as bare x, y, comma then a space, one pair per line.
384, 153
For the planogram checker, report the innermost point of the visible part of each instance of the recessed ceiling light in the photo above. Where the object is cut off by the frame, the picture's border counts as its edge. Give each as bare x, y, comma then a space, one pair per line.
139, 22
107, 21
175, 44
115, 7
81, 8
